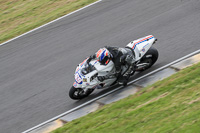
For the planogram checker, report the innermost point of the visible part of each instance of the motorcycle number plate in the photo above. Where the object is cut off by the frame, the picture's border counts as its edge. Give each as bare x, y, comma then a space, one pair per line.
78, 78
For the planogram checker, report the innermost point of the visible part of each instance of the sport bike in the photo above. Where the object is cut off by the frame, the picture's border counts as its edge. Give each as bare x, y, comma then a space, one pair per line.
86, 74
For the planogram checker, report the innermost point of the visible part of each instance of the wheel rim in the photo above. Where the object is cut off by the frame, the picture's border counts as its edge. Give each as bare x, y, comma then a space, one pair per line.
149, 61
78, 93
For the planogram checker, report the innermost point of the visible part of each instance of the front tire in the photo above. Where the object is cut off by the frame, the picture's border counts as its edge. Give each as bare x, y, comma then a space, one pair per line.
78, 93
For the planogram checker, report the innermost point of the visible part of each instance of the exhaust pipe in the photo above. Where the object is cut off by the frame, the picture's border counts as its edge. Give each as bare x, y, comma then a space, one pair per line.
141, 66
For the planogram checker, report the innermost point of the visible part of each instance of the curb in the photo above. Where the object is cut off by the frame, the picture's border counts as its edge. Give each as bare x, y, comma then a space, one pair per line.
49, 127
119, 94
187, 62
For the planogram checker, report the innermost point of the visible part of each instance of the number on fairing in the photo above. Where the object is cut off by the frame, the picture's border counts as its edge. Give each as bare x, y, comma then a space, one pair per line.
78, 78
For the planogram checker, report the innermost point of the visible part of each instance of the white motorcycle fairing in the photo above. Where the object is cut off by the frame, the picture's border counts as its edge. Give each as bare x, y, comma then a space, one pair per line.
141, 46
88, 80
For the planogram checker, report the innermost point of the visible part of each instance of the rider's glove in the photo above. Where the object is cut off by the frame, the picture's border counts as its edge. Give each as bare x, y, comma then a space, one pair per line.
101, 78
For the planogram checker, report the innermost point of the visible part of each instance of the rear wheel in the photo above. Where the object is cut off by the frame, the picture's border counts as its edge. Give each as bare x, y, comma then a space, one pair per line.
79, 93
148, 59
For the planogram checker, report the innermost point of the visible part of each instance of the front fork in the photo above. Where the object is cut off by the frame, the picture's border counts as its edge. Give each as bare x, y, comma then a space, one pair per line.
84, 91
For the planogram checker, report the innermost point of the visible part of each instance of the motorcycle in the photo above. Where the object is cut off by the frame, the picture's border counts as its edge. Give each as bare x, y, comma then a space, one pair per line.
86, 75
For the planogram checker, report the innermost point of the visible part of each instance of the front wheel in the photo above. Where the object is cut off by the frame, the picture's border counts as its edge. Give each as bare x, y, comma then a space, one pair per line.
148, 59
79, 93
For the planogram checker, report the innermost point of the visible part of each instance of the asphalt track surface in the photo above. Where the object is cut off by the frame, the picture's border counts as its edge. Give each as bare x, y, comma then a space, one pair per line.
36, 70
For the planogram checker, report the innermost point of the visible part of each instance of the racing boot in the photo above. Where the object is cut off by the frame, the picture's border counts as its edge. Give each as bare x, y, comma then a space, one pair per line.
123, 80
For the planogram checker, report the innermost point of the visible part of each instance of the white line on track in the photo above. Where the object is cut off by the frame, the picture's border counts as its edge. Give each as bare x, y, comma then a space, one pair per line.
93, 100
50, 22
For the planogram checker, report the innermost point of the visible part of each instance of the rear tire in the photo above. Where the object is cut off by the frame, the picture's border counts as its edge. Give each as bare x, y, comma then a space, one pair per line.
78, 93
150, 57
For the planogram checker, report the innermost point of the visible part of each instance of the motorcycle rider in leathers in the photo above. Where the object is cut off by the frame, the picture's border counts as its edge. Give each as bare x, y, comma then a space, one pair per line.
119, 56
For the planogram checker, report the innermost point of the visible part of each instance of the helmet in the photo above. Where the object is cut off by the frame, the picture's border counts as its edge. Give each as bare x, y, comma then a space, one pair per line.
103, 56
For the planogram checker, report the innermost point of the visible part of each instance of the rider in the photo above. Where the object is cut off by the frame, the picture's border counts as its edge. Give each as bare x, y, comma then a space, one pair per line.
119, 56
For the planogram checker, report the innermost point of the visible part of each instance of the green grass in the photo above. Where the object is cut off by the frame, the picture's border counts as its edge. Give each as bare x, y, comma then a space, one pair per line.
168, 106
20, 16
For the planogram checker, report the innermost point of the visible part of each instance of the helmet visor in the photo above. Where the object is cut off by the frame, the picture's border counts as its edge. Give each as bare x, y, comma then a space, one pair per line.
105, 61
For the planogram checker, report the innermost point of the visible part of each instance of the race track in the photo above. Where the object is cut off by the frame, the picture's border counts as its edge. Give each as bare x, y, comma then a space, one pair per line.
36, 70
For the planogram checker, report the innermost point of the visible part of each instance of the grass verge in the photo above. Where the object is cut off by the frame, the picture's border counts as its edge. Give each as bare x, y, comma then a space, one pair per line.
20, 16
170, 105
